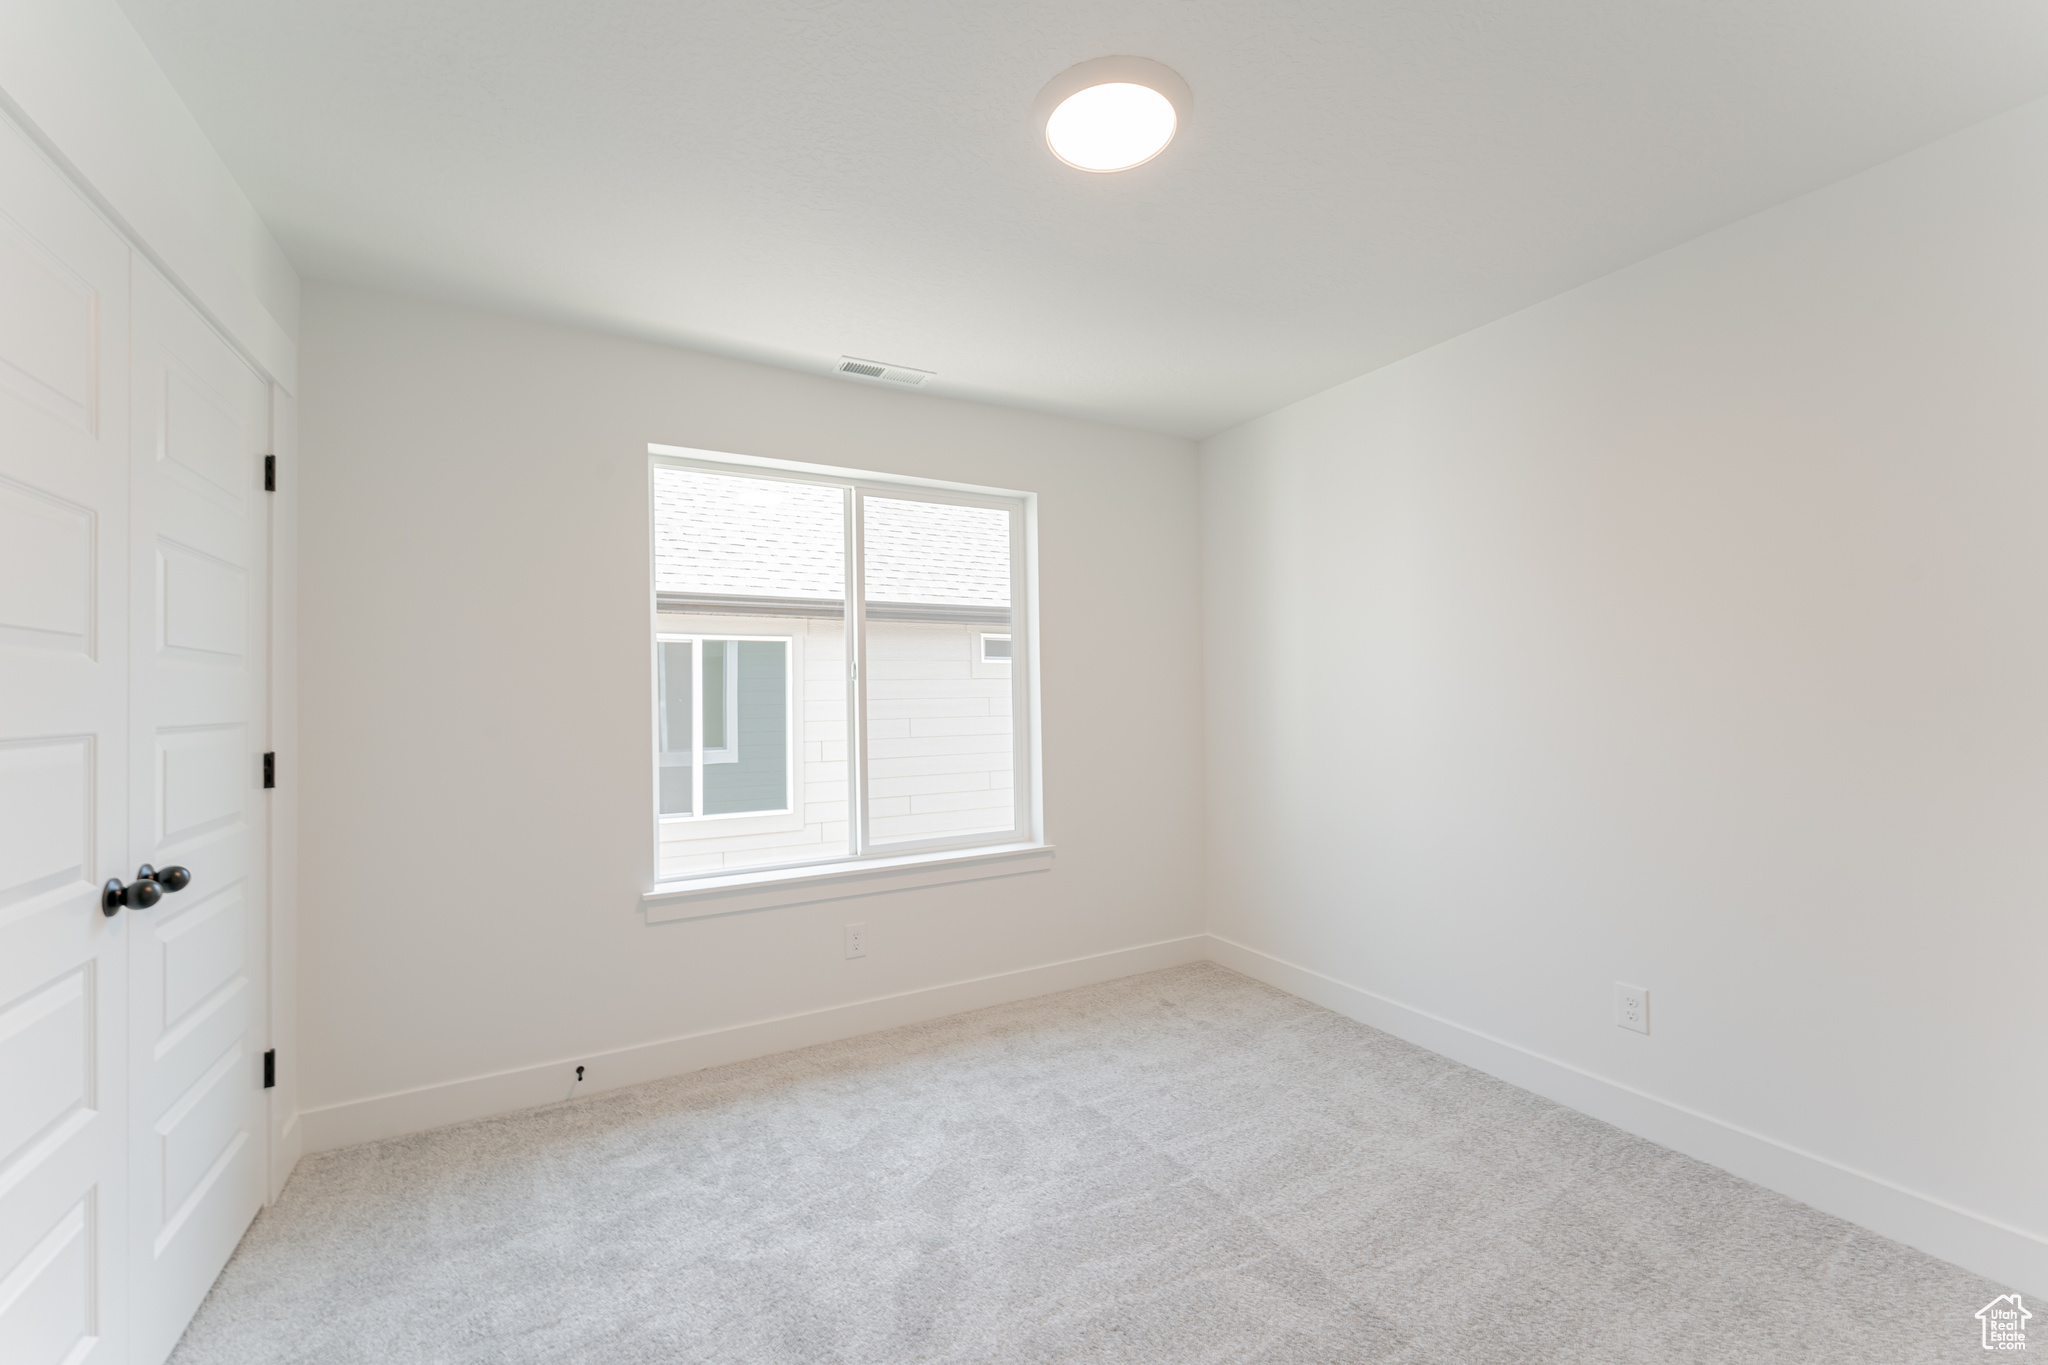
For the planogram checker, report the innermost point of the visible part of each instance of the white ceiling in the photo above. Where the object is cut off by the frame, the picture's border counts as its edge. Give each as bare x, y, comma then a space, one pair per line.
790, 181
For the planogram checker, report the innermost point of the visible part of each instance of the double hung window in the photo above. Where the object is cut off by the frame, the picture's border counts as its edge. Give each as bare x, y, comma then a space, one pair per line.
840, 668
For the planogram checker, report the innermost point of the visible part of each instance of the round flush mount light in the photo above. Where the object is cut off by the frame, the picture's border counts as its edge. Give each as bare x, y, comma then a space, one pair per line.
1112, 113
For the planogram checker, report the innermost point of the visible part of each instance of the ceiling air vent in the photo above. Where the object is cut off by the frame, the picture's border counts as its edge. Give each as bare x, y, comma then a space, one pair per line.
875, 369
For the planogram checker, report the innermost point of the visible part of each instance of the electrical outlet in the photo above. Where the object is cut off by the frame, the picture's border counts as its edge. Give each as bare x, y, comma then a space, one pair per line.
856, 940
1631, 1007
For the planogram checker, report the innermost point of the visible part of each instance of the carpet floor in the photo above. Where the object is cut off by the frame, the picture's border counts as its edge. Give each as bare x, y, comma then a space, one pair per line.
1182, 1167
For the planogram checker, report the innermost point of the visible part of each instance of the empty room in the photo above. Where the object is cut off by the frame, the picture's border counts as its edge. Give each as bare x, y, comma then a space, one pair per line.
1157, 681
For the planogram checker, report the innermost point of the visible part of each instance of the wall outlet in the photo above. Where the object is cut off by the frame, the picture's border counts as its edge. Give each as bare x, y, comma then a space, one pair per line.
856, 940
1631, 1007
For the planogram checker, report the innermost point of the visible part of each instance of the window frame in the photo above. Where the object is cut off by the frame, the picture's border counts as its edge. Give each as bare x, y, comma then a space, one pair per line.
729, 685
861, 851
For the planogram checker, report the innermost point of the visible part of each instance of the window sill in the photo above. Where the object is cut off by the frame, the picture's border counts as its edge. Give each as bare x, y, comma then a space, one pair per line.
703, 897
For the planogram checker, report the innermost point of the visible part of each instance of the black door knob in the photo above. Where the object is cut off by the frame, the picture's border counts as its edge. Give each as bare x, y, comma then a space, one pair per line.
138, 895
169, 878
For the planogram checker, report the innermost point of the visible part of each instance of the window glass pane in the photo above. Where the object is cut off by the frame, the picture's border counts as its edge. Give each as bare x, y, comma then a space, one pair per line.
941, 751
755, 569
674, 669
756, 775
740, 542
715, 698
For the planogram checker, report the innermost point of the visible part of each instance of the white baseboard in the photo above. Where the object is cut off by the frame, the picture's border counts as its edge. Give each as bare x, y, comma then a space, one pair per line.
2011, 1256
410, 1111
287, 1145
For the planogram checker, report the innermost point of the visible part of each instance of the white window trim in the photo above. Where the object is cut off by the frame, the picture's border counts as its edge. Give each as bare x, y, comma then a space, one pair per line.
978, 667
730, 753
739, 892
909, 863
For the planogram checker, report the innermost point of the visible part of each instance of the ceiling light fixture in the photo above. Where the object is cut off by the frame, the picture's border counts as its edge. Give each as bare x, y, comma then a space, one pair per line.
1112, 113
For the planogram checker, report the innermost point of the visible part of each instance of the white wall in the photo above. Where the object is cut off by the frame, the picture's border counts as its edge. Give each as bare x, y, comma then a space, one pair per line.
1690, 630
476, 716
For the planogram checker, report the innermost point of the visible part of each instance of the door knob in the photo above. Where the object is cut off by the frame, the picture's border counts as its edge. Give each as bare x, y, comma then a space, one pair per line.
138, 895
150, 886
169, 878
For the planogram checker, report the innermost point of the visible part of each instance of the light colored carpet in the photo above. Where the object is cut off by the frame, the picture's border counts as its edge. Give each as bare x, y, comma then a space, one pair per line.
1182, 1167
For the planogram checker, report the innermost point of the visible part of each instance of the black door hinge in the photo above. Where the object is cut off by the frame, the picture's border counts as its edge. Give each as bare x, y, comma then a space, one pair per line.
270, 473
269, 770
270, 1069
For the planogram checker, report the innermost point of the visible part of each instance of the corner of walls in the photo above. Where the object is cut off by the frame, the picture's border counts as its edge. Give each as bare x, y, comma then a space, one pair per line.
1664, 632
79, 79
440, 434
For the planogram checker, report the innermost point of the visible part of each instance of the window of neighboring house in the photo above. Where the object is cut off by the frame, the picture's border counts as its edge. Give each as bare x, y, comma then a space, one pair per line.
701, 685
822, 657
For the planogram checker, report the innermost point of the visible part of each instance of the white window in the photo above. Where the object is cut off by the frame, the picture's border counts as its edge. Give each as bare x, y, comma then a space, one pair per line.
836, 666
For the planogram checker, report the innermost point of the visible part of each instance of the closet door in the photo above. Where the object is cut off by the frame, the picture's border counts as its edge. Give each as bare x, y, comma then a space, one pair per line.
198, 571
63, 768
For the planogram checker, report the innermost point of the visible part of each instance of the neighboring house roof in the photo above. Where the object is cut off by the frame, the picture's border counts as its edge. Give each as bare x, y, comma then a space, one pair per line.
729, 540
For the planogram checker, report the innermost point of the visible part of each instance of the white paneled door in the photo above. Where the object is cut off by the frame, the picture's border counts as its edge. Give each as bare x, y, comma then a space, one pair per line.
133, 602
197, 557
63, 769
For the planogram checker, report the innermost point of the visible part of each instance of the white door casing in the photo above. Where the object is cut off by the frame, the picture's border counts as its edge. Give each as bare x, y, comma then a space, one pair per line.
63, 769
198, 553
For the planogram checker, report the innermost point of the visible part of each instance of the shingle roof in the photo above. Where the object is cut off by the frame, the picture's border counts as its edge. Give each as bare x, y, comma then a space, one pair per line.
722, 535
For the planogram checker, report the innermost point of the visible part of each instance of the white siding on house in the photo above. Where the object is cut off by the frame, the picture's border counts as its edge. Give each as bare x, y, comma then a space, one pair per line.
941, 751
815, 828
